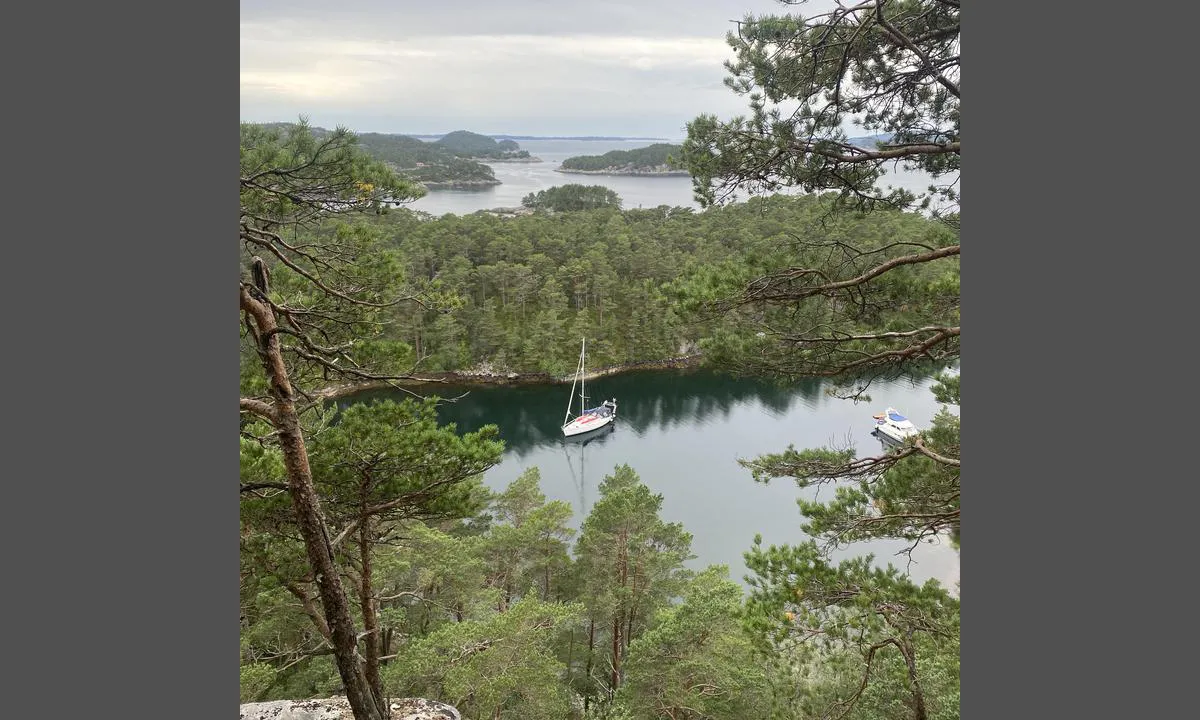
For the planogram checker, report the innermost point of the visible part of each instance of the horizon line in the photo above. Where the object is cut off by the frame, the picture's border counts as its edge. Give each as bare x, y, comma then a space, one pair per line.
557, 136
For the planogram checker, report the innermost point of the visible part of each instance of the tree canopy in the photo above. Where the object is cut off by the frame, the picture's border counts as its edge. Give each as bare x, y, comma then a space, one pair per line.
467, 144
303, 307
853, 308
890, 66
565, 198
651, 157
373, 559
425, 162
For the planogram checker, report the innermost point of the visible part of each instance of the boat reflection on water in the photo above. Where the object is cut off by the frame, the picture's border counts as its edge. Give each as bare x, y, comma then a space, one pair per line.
893, 430
576, 445
886, 443
595, 436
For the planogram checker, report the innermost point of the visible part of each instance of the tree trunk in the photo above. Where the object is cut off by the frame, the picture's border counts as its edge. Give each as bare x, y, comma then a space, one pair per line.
910, 659
616, 656
628, 630
619, 616
571, 657
591, 655
307, 505
369, 610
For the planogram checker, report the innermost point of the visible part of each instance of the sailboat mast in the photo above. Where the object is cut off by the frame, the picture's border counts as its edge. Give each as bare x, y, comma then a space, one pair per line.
578, 378
582, 378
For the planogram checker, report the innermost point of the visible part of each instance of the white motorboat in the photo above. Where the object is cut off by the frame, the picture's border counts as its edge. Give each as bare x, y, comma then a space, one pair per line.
890, 425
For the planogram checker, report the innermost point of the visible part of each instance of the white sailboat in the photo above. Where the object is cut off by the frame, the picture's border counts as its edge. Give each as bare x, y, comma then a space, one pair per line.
588, 419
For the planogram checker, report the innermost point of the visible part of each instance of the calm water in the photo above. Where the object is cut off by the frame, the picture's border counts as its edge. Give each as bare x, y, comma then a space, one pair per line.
520, 179
683, 432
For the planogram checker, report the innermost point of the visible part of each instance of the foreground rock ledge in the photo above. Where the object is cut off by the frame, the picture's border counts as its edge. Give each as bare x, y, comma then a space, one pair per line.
337, 708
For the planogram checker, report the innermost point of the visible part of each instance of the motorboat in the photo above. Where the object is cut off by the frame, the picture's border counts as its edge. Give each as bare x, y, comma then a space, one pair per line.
890, 425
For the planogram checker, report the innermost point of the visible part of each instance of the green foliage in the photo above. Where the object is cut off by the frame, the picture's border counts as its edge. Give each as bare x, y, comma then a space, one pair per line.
905, 494
892, 66
394, 460
629, 565
947, 389
413, 158
657, 157
434, 577
528, 543
871, 622
795, 302
861, 293
473, 145
639, 283
470, 588
281, 650
260, 463
255, 679
567, 198
292, 174
504, 663
331, 278
697, 662
376, 470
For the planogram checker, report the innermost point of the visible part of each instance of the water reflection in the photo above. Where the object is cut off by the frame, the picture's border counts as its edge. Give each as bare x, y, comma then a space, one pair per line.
683, 433
575, 449
530, 417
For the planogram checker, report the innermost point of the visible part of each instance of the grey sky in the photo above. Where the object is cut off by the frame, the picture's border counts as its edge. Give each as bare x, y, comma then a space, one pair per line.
538, 67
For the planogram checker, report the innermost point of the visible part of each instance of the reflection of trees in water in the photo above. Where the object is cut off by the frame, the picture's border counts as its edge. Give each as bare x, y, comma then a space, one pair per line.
530, 417
575, 448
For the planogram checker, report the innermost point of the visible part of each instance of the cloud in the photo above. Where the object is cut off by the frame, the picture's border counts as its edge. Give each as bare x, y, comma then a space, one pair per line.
485, 61
408, 20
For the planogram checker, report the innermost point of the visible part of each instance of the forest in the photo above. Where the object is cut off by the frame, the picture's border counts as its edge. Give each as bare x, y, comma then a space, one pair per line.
562, 624
375, 564
450, 161
471, 145
659, 157
505, 292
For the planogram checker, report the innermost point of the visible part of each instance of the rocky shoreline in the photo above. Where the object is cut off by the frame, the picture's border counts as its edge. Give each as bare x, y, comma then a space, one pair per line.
489, 161
645, 172
459, 184
485, 375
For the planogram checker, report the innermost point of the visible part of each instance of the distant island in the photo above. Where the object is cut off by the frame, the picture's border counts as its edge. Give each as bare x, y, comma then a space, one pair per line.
659, 160
455, 160
483, 148
589, 138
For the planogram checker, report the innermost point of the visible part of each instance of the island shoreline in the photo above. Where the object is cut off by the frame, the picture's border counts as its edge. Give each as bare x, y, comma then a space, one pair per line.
638, 173
487, 377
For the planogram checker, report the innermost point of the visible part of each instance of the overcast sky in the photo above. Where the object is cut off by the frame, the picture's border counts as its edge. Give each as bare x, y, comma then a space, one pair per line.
535, 67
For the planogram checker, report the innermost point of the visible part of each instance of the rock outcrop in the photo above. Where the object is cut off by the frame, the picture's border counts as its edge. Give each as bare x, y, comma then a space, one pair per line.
337, 708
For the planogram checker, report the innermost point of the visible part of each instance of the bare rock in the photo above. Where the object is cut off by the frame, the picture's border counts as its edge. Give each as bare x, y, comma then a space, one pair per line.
327, 709
337, 708
422, 709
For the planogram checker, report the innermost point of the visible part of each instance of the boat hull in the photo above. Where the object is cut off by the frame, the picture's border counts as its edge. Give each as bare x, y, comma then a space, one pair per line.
894, 434
586, 424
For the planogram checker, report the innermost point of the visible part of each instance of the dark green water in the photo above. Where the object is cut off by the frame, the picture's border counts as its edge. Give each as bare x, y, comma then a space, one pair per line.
683, 433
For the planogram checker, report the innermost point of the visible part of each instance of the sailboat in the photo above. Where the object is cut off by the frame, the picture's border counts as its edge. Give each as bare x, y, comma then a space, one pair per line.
588, 419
